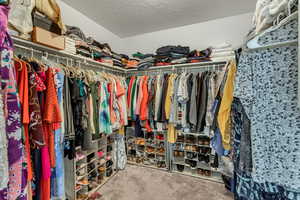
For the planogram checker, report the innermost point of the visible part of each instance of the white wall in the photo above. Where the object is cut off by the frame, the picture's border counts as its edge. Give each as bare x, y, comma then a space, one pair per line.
73, 17
197, 36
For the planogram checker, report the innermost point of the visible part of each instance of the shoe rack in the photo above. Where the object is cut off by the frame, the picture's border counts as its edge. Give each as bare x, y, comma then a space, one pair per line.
192, 155
148, 151
90, 169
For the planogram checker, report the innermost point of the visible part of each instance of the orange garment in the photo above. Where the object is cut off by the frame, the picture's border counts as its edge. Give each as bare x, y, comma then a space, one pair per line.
113, 117
120, 92
52, 120
52, 114
132, 64
22, 82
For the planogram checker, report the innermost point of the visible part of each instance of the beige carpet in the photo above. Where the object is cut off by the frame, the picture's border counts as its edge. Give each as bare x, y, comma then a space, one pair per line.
138, 183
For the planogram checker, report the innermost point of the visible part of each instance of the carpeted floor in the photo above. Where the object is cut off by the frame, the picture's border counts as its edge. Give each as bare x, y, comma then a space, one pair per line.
138, 183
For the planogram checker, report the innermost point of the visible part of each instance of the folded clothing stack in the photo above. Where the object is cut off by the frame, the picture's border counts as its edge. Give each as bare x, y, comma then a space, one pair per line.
70, 46
82, 48
132, 63
101, 52
119, 60
144, 60
171, 55
222, 52
199, 56
146, 63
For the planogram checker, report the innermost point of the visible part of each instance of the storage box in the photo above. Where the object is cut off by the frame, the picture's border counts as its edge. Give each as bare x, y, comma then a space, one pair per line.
47, 38
45, 23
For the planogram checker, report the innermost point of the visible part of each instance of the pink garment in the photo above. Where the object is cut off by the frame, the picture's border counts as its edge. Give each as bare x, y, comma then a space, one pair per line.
46, 168
5, 40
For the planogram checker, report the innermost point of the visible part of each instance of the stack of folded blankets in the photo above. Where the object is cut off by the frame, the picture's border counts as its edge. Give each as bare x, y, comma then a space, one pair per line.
168, 55
82, 47
100, 52
222, 52
144, 60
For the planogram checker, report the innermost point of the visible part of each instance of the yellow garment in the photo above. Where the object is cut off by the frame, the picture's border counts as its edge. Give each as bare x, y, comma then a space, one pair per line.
172, 133
225, 107
122, 130
51, 9
169, 96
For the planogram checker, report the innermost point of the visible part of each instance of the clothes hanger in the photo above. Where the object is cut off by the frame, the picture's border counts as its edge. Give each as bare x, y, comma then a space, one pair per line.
254, 43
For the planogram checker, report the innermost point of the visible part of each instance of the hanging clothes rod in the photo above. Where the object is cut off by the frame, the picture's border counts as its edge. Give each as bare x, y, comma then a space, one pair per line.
180, 66
28, 45
74, 62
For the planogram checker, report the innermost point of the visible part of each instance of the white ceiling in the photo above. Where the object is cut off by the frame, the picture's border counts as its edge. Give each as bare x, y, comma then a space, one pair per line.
133, 17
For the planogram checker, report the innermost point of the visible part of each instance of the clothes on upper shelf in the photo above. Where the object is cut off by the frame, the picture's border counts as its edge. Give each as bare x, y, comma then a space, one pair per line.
20, 17
268, 12
183, 101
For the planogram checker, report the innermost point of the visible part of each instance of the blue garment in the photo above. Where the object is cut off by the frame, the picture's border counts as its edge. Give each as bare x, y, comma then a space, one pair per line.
217, 145
58, 175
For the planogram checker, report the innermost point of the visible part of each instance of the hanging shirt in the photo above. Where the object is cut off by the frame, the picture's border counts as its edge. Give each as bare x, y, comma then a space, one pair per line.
225, 107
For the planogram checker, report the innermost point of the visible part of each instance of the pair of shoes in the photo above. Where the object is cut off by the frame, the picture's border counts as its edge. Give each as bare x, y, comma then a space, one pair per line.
161, 150
191, 163
190, 148
140, 141
79, 156
160, 137
203, 158
101, 169
161, 164
180, 139
83, 182
203, 172
180, 168
150, 149
178, 153
191, 155
204, 150
109, 163
204, 142
100, 154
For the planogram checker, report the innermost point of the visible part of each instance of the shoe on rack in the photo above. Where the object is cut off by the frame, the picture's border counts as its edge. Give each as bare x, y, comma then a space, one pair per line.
79, 156
180, 168
83, 182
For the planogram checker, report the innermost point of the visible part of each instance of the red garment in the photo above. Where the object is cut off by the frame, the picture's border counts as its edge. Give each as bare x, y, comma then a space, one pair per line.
129, 92
52, 120
22, 82
162, 63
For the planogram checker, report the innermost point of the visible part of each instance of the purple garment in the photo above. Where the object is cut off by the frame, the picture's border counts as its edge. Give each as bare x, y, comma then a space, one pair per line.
13, 131
5, 39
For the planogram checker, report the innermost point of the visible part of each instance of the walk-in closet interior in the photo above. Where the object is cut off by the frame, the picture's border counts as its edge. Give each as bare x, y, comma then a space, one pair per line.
149, 100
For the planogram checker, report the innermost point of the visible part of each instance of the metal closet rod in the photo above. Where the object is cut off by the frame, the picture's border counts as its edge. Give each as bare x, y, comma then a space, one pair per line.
103, 68
184, 67
25, 44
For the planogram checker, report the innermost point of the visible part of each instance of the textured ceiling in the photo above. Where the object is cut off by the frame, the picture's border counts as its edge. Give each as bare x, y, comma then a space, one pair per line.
132, 17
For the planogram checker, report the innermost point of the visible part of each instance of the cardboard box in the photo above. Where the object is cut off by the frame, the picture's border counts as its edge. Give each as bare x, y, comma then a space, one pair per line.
47, 38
